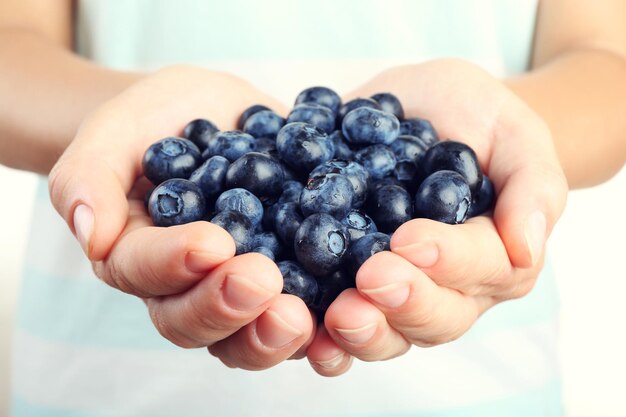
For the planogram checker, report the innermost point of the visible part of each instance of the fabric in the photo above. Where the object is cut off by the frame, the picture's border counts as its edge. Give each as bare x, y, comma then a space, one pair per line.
84, 349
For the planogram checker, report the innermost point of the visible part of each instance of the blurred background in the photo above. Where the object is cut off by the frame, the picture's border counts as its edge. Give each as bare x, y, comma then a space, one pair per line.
589, 254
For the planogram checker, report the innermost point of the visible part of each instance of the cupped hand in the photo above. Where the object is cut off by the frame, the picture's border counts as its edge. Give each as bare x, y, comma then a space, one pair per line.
198, 294
438, 279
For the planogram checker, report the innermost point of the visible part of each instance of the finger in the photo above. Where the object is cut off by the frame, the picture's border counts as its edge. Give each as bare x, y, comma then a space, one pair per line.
277, 334
326, 357
530, 184
413, 304
230, 297
469, 257
150, 261
361, 329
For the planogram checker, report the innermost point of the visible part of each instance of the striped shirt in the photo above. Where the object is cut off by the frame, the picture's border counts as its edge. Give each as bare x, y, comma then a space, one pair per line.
84, 349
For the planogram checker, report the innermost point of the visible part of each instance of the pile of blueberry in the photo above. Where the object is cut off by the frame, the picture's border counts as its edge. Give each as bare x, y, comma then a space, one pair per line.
318, 192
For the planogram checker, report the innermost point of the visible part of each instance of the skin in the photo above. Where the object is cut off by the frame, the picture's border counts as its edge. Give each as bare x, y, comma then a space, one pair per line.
531, 133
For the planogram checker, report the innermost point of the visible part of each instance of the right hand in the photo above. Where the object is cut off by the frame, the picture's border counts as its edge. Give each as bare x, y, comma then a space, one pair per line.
198, 294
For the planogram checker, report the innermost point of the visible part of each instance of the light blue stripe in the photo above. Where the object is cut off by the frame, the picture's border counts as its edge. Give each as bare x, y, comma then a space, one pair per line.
542, 402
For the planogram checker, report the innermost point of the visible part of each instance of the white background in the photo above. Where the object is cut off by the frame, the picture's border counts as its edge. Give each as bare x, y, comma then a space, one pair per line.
589, 256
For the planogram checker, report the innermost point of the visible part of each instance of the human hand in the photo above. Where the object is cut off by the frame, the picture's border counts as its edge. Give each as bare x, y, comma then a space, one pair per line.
439, 278
198, 294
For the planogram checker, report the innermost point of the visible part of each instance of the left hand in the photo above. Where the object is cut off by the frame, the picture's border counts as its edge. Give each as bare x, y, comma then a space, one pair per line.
439, 278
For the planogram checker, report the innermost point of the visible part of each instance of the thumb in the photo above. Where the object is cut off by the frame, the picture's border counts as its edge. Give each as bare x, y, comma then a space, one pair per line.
88, 187
532, 188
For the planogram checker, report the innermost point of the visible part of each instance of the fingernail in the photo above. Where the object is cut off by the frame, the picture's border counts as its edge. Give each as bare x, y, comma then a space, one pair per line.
242, 294
200, 261
358, 336
83, 225
535, 234
391, 295
331, 363
422, 255
274, 332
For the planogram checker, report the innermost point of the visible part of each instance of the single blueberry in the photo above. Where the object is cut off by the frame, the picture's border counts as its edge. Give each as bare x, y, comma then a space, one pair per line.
320, 244
358, 224
264, 124
323, 96
314, 114
260, 174
255, 108
420, 128
454, 156
210, 177
170, 158
327, 193
376, 184
241, 201
364, 248
342, 150
298, 282
390, 206
378, 160
409, 148
406, 172
231, 145
266, 146
264, 251
355, 104
238, 226
176, 201
303, 146
291, 192
287, 221
367, 126
389, 103
356, 173
443, 196
484, 199
328, 289
269, 240
200, 132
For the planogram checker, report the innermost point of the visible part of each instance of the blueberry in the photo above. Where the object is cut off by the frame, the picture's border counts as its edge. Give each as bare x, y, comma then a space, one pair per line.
298, 282
376, 184
200, 132
266, 146
443, 196
420, 128
368, 126
170, 158
241, 201
260, 174
389, 103
454, 156
484, 199
390, 206
314, 114
320, 244
176, 201
291, 192
255, 108
287, 221
269, 240
355, 104
342, 150
358, 224
355, 172
231, 145
264, 124
327, 193
409, 148
238, 226
303, 146
210, 177
328, 289
378, 160
265, 251
406, 171
365, 247
323, 96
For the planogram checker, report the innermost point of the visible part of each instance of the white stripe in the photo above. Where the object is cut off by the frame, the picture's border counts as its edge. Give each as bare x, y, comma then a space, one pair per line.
190, 383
